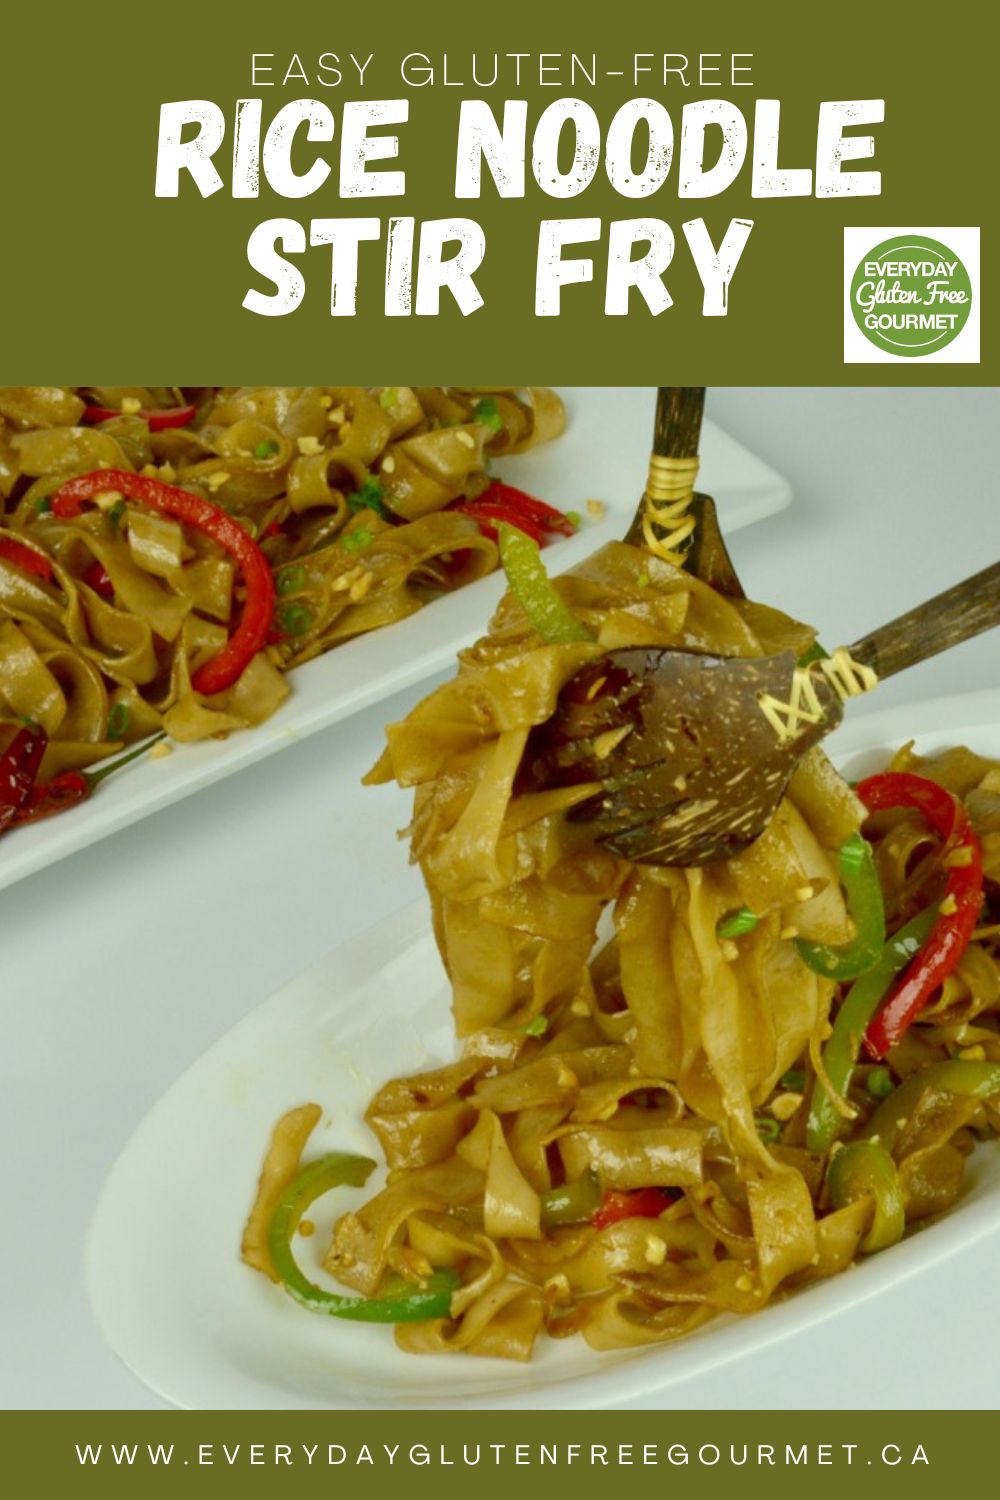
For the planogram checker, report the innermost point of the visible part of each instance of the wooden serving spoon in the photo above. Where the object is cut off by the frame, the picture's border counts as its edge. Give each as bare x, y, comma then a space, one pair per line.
692, 766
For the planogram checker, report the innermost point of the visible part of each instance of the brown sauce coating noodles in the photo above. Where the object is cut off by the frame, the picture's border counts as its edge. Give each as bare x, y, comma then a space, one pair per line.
345, 487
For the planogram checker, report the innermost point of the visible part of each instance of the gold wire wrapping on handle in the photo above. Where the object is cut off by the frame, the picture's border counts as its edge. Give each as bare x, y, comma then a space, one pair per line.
847, 677
669, 492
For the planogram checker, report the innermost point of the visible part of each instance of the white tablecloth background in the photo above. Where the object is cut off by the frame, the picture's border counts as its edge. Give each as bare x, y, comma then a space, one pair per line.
121, 964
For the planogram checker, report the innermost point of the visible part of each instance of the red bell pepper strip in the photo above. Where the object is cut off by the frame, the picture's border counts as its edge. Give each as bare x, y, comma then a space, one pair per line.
502, 502
26, 558
18, 768
98, 580
488, 517
546, 517
71, 787
642, 1203
252, 631
174, 416
957, 914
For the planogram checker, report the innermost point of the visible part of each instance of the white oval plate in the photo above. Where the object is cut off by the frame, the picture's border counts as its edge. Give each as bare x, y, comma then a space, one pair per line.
199, 1328
601, 456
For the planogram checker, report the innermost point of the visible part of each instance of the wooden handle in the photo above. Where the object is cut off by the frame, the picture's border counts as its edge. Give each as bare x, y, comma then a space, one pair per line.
677, 428
676, 433
965, 610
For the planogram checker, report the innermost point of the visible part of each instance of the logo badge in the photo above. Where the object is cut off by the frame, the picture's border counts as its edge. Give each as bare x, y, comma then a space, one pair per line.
911, 294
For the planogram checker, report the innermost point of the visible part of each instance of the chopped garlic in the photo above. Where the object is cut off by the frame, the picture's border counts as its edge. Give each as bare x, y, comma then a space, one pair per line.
161, 749
130, 406
388, 464
789, 932
656, 1250
218, 479
309, 446
579, 1008
595, 508
785, 1105
804, 893
948, 907
744, 1284
107, 499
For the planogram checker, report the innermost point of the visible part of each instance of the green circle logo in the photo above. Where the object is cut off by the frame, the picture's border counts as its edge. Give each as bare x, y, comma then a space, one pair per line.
911, 295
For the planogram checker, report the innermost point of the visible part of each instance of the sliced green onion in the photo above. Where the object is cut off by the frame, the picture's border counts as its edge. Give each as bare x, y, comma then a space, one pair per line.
794, 1079
487, 412
118, 721
537, 1026
357, 540
295, 619
388, 398
737, 923
879, 1083
768, 1128
116, 514
266, 449
816, 652
290, 580
369, 497
576, 521
43, 506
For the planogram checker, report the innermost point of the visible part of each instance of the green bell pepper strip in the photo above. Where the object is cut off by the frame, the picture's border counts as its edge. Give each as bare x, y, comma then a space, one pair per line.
865, 1169
840, 1055
864, 900
402, 1302
534, 590
574, 1203
955, 1076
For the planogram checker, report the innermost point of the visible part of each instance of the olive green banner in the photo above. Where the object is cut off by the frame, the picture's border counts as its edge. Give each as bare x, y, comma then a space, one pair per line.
555, 191
444, 1454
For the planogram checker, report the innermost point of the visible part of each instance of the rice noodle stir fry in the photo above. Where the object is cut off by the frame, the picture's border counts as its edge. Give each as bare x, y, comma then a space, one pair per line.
116, 591
671, 1112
